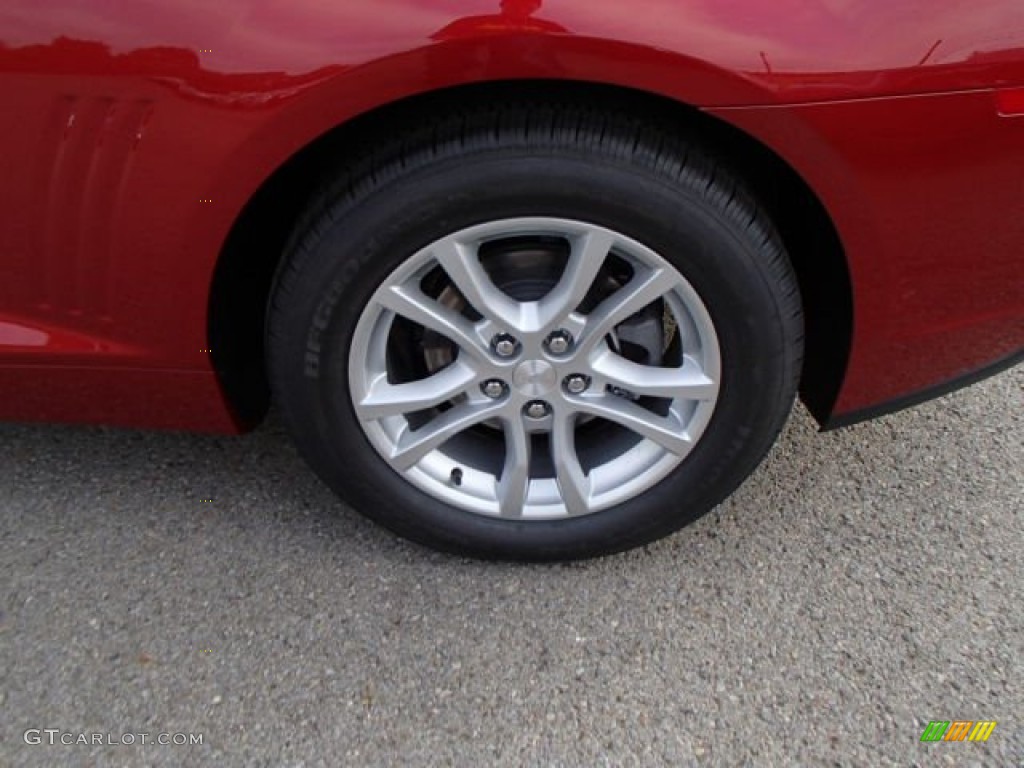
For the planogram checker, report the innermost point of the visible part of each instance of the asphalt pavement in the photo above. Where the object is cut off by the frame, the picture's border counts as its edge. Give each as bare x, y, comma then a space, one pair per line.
860, 585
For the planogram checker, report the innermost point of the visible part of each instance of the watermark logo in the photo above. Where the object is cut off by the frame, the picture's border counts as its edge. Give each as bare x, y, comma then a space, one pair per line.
958, 730
55, 736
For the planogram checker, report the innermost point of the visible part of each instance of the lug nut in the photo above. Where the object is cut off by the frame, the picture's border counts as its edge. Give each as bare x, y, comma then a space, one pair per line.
504, 345
577, 384
493, 388
538, 409
559, 342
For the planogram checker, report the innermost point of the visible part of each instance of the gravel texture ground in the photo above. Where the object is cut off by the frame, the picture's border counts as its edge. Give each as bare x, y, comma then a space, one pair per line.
862, 583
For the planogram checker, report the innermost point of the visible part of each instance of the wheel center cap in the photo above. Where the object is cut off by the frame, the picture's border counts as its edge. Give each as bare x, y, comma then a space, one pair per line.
535, 378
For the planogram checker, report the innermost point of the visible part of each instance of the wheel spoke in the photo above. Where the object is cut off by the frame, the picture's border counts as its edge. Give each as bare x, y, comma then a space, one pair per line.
588, 255
639, 292
413, 445
411, 303
666, 431
386, 399
688, 382
465, 270
514, 484
567, 345
573, 484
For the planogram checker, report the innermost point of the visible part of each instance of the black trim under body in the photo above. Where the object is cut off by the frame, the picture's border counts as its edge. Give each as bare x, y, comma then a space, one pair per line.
907, 401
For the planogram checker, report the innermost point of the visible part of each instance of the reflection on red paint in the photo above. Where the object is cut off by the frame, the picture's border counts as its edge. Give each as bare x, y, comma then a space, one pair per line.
12, 335
515, 16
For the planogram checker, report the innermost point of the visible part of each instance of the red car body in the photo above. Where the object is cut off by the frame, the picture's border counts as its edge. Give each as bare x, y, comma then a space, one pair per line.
145, 142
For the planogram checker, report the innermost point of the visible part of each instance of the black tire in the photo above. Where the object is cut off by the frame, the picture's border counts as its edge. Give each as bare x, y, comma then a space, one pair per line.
536, 159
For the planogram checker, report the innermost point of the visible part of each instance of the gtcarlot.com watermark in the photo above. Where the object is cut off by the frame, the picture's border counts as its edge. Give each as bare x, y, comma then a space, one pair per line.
55, 736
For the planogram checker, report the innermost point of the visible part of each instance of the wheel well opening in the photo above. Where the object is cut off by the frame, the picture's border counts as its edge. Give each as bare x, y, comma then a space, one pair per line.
258, 240
815, 251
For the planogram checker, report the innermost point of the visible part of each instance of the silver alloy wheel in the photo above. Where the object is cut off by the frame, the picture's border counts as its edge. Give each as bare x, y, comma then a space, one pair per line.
415, 425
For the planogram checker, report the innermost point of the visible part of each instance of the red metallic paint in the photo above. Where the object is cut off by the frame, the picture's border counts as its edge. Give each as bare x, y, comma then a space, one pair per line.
135, 131
1011, 102
926, 194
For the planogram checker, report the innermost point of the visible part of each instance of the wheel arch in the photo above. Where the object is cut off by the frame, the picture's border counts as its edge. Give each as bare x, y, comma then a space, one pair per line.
248, 261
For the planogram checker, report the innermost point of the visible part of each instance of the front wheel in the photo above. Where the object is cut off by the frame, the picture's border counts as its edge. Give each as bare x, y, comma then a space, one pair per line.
530, 343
